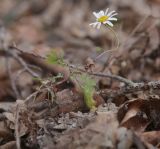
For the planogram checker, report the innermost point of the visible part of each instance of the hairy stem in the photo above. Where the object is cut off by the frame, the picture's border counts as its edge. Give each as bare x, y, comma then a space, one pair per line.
114, 49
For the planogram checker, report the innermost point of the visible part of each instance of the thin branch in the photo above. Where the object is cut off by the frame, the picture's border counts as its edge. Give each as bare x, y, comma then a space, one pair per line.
131, 86
153, 85
23, 63
99, 74
13, 83
20, 72
17, 128
38, 61
114, 77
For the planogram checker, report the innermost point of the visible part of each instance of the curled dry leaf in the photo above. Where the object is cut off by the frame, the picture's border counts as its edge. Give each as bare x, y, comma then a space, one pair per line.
152, 137
137, 122
140, 114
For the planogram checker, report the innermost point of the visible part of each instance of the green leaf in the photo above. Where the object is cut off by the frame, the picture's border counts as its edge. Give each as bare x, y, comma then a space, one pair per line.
53, 58
99, 49
88, 88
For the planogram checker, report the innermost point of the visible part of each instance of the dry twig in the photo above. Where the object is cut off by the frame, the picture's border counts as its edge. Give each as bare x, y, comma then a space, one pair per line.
153, 85
17, 128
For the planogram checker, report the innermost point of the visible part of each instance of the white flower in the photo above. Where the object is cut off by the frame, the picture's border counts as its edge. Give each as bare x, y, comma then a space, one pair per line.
104, 18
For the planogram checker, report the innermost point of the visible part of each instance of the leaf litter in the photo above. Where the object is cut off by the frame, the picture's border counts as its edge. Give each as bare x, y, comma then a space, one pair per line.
49, 111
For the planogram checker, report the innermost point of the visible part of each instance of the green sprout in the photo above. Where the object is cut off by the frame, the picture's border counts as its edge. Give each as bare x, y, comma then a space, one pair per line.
53, 58
88, 88
99, 49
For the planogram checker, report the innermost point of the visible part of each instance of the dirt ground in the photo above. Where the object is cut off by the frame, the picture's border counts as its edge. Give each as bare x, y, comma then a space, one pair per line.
55, 90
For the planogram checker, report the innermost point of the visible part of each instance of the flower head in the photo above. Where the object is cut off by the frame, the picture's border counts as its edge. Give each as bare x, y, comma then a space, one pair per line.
104, 18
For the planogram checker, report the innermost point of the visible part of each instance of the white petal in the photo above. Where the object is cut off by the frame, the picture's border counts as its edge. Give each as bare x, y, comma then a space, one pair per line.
106, 11
99, 25
109, 14
105, 22
112, 19
113, 15
94, 24
101, 13
96, 14
109, 23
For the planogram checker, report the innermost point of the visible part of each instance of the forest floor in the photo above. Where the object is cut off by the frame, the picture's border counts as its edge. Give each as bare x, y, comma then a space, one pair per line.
44, 100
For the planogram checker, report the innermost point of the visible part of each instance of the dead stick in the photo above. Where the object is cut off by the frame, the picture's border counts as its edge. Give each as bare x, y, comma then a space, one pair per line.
153, 85
99, 74
115, 77
17, 128
38, 61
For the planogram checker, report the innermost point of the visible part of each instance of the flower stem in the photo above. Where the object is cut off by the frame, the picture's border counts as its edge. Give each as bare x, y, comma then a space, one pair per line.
114, 49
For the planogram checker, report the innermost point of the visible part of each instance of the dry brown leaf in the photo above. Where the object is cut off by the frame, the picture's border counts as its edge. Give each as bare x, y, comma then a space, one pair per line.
139, 114
152, 137
42, 24
10, 116
103, 132
137, 123
9, 145
5, 132
133, 105
29, 30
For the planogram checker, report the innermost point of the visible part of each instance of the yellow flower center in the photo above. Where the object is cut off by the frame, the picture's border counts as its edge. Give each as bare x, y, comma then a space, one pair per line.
103, 19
